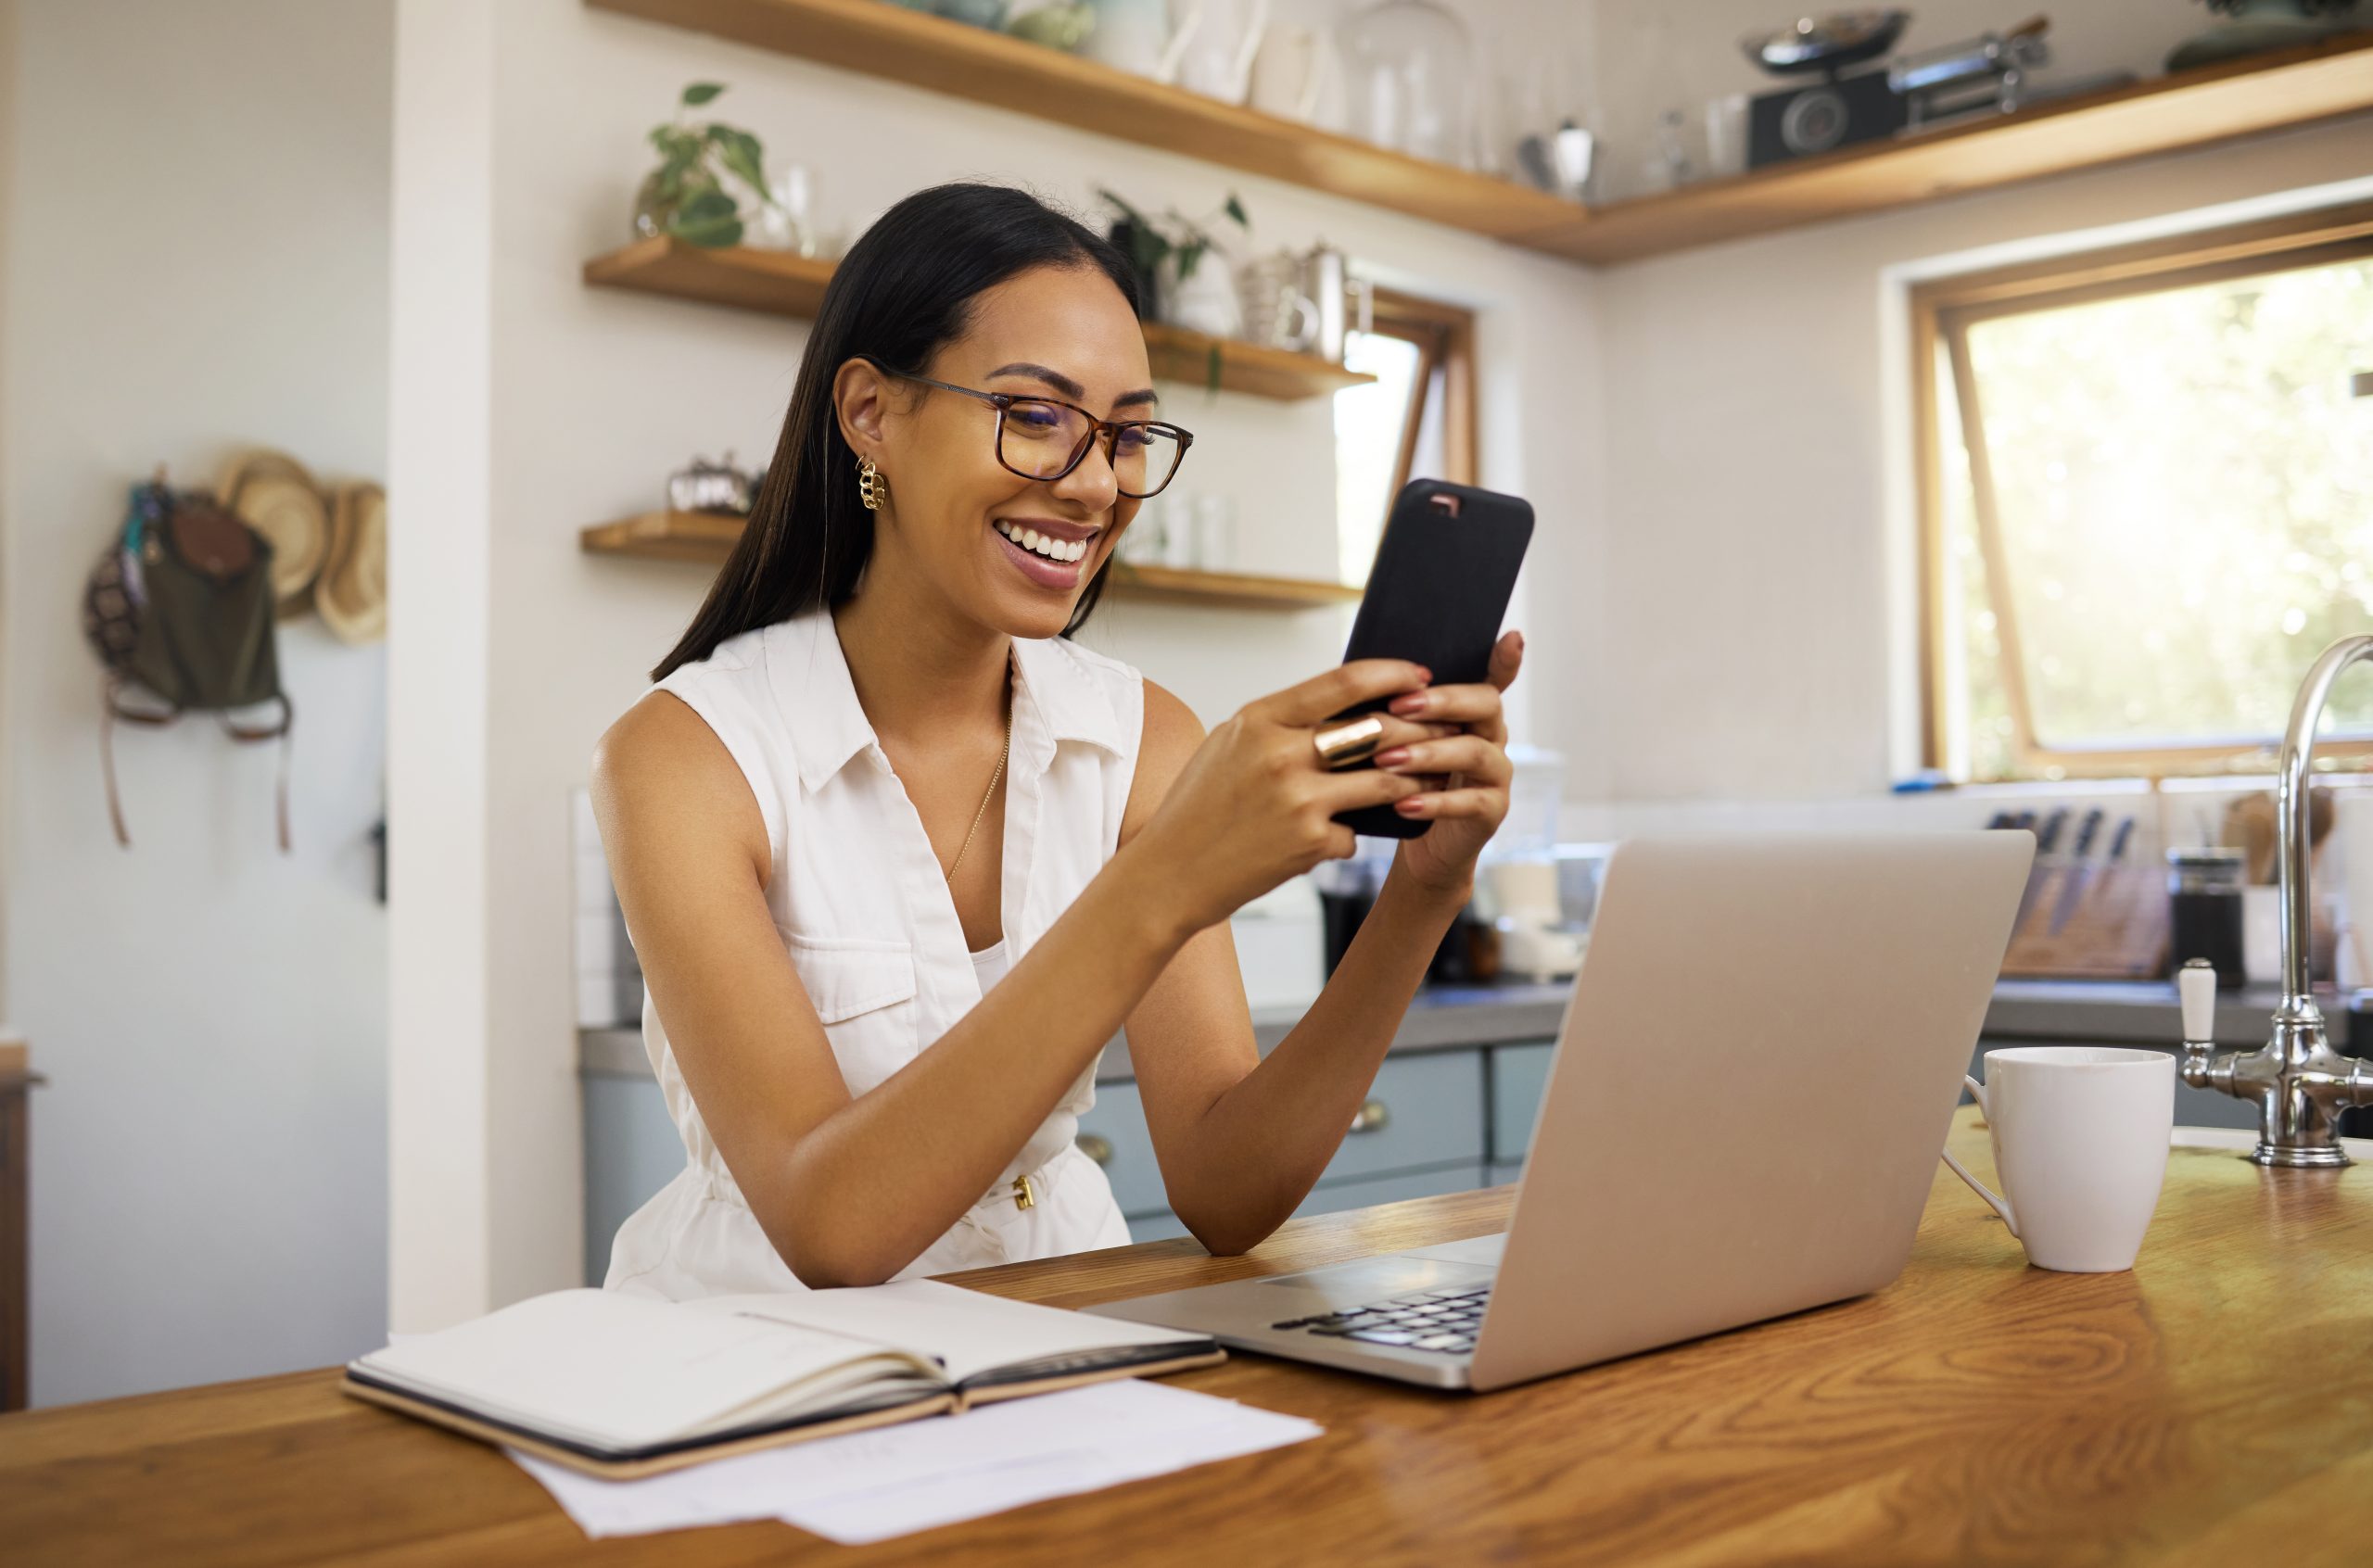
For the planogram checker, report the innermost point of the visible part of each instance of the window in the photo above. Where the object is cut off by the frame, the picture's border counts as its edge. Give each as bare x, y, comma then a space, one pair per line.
1416, 420
2147, 481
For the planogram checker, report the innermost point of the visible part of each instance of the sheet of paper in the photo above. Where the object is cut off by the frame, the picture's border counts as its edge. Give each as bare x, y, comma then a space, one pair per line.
967, 1330
895, 1480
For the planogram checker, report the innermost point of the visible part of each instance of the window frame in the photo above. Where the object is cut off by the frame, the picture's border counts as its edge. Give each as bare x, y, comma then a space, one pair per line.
1942, 310
1444, 335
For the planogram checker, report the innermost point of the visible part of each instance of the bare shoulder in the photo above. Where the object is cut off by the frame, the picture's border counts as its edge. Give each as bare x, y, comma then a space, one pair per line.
660, 771
1172, 734
1172, 727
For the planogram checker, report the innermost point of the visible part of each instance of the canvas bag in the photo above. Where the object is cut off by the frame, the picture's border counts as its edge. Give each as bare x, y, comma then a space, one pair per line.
180, 607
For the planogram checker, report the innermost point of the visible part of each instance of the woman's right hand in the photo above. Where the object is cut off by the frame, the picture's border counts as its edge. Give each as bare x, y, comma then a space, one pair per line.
1255, 803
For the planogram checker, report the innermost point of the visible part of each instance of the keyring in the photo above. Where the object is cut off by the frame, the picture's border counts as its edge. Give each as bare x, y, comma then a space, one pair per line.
1348, 745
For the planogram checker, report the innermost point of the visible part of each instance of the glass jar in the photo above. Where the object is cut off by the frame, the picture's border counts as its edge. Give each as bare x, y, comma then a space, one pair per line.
1411, 74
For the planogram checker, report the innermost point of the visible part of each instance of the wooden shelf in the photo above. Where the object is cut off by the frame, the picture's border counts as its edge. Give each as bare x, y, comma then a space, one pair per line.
2264, 93
775, 282
783, 284
884, 40
1177, 586
706, 539
2221, 103
1180, 355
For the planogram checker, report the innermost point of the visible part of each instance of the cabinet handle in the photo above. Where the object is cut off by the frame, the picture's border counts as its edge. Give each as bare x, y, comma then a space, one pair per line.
1095, 1146
1375, 1117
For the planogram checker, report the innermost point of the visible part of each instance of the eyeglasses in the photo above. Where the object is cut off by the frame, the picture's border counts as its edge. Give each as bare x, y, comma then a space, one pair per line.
1046, 438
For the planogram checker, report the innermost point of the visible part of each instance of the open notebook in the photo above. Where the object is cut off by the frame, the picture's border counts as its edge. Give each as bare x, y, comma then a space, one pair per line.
619, 1386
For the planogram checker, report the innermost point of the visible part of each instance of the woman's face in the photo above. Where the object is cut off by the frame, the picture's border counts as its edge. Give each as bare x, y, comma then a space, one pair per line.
959, 518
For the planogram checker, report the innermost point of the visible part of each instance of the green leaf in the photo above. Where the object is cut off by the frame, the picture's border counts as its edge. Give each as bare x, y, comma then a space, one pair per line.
710, 236
707, 205
1234, 208
1211, 368
741, 155
1191, 256
675, 144
1137, 219
700, 93
708, 218
1147, 248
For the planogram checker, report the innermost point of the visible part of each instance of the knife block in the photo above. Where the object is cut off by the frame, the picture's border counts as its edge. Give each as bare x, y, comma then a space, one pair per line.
2114, 929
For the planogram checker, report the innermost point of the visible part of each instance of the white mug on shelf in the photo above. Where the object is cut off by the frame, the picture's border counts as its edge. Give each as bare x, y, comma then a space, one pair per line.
2080, 1137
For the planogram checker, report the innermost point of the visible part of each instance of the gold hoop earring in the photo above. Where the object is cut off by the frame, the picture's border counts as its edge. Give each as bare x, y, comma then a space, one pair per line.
871, 488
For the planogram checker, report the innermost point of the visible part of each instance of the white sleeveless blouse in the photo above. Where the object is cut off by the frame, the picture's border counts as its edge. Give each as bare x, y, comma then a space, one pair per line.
863, 909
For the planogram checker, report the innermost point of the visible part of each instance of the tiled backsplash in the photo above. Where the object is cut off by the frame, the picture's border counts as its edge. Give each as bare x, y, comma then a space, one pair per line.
609, 981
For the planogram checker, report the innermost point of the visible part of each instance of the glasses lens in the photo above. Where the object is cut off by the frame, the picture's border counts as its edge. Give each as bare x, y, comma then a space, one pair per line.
1144, 457
1038, 436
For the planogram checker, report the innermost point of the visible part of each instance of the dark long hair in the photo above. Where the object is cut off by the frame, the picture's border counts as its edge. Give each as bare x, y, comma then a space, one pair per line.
904, 290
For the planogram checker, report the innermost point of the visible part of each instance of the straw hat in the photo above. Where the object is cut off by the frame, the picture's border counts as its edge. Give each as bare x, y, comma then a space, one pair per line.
273, 494
353, 592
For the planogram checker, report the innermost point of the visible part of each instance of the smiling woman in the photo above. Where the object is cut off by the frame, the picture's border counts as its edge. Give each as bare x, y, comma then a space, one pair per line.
898, 857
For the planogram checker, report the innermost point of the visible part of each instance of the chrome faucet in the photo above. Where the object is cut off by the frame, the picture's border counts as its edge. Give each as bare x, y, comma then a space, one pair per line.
2301, 1084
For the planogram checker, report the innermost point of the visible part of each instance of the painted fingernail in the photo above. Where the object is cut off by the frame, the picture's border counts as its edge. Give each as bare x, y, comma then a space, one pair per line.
1410, 805
1392, 756
1410, 703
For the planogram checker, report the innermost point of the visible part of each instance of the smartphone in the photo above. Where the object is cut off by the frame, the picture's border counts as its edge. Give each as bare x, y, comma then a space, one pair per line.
1436, 595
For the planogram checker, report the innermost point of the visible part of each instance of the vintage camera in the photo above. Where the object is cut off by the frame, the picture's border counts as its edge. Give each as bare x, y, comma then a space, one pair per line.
1836, 110
1839, 111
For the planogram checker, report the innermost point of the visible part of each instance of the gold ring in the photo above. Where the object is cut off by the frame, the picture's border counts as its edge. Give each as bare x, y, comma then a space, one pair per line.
1348, 745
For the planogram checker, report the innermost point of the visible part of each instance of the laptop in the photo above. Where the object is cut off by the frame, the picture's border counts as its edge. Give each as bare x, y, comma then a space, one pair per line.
1755, 1073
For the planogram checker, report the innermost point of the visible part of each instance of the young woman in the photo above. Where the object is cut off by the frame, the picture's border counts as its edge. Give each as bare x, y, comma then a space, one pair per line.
899, 857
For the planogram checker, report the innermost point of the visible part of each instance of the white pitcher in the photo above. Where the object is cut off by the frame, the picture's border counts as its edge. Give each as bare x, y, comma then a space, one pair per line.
1212, 53
1293, 67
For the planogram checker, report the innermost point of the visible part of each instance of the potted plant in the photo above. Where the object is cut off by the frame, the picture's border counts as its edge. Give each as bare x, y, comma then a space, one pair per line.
1168, 253
686, 196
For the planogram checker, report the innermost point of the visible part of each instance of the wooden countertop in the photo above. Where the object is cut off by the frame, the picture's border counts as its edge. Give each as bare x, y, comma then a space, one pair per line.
2215, 1405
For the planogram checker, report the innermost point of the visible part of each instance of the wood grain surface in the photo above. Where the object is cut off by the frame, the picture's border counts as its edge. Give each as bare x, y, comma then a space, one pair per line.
777, 283
2212, 1406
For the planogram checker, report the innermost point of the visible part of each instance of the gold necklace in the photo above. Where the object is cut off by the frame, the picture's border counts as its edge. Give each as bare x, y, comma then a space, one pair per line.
1002, 754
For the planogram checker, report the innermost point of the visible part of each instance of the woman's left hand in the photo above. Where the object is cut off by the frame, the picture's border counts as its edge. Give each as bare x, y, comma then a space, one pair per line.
1472, 768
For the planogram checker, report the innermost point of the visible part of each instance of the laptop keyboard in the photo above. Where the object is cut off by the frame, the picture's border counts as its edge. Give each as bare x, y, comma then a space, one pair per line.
1444, 1321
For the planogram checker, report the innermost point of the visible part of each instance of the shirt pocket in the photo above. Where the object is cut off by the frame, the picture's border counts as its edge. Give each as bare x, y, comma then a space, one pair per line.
863, 988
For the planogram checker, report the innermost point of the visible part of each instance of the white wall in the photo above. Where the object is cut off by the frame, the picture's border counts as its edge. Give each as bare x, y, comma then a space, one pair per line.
445, 1182
597, 394
1750, 526
195, 259
7, 212
1759, 555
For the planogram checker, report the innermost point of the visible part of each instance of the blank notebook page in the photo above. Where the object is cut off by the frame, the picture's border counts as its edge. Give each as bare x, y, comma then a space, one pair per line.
971, 1333
620, 1372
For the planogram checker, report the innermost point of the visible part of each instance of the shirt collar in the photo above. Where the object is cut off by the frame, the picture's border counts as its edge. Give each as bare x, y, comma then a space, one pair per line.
1055, 700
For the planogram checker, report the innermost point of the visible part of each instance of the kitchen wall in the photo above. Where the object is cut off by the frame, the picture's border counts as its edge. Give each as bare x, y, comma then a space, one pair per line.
594, 395
193, 257
1755, 487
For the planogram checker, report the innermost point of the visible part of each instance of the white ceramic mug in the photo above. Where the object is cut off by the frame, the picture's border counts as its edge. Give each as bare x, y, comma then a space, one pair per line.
2080, 1140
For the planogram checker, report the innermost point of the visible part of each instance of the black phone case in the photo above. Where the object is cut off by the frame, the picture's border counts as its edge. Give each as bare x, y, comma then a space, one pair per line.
1436, 595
